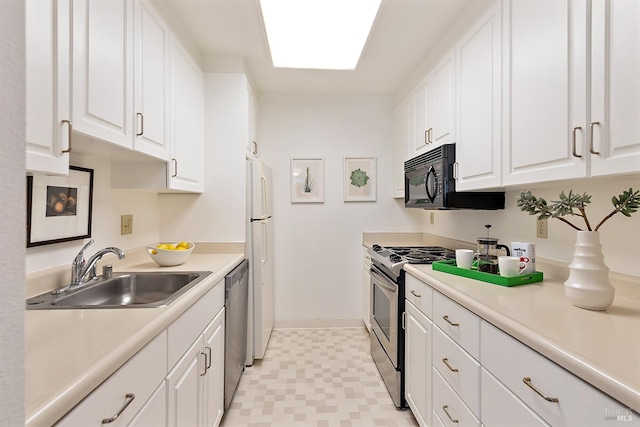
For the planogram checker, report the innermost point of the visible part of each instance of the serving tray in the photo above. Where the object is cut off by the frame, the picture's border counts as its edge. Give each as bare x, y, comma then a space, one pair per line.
451, 268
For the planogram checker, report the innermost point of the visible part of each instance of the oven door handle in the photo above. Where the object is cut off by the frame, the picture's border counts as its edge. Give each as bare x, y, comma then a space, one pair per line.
381, 282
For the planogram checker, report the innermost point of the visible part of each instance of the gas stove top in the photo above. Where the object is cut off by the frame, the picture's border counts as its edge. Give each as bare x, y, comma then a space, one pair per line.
394, 257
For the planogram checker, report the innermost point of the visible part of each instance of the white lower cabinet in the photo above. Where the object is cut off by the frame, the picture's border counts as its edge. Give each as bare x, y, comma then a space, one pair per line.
418, 363
154, 412
123, 395
195, 386
448, 406
500, 407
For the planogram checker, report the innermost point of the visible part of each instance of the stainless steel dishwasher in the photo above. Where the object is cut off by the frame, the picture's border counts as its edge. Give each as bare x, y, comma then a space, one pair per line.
236, 300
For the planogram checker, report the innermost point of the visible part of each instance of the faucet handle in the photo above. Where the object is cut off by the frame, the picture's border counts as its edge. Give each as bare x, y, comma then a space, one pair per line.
79, 259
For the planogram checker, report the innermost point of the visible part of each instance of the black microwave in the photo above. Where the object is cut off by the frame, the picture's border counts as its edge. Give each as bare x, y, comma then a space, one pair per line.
429, 183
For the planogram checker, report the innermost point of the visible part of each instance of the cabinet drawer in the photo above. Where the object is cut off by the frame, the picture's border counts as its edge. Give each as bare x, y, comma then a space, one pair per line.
459, 370
448, 406
420, 294
459, 323
578, 403
500, 407
186, 329
140, 376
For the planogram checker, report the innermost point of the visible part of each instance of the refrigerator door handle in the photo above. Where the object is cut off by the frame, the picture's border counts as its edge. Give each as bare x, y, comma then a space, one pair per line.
265, 243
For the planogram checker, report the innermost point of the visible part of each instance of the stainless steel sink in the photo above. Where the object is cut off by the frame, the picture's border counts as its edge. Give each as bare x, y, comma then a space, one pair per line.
123, 290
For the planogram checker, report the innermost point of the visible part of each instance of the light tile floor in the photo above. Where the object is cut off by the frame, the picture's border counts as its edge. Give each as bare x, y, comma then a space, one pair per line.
315, 377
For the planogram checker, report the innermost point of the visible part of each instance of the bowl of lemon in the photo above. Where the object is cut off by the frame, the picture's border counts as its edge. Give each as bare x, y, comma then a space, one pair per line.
170, 254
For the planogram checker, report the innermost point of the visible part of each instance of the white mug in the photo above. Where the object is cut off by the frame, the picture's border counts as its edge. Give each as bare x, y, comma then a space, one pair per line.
464, 258
510, 266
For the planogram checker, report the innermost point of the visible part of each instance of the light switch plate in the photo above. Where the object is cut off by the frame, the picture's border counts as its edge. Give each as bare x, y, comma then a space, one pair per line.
541, 228
126, 224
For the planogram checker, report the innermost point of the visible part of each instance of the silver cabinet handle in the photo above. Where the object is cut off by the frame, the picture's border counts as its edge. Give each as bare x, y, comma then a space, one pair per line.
208, 349
404, 315
128, 399
573, 141
446, 318
141, 124
175, 168
455, 171
205, 364
415, 295
446, 362
429, 131
591, 150
255, 147
444, 408
69, 131
426, 137
527, 381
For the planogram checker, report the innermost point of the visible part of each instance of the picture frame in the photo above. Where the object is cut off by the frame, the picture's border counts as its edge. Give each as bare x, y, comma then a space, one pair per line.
59, 208
360, 179
307, 180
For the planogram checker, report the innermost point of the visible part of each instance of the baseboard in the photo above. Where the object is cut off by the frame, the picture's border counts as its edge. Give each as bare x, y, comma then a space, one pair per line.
318, 324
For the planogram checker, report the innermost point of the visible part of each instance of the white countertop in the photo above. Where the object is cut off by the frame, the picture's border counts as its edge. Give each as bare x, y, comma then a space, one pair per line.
70, 352
601, 347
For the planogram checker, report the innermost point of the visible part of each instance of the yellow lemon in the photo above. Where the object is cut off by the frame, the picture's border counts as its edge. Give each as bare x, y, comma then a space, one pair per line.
180, 248
164, 246
153, 251
182, 245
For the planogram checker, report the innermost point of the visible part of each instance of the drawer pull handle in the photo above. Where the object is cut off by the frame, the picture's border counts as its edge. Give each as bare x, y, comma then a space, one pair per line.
128, 399
415, 295
444, 408
527, 381
446, 318
446, 362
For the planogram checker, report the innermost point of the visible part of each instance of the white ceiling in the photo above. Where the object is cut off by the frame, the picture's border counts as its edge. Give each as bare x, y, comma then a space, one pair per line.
402, 37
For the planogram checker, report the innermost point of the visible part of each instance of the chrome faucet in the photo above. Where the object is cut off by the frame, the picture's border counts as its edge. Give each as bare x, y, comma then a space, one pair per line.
83, 271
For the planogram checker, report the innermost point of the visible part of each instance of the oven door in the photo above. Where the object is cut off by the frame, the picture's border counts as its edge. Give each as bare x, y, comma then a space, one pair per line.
384, 313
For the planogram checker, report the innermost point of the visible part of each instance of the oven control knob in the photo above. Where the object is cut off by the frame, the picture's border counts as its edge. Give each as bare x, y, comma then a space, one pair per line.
395, 258
376, 248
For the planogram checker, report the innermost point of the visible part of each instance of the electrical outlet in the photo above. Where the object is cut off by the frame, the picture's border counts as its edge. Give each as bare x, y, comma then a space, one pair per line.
432, 218
541, 228
126, 224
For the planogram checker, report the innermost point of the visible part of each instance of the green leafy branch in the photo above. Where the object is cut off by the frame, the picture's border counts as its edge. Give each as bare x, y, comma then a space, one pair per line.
575, 205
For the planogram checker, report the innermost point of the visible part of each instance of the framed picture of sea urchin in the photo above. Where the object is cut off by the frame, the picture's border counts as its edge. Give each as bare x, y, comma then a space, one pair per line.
307, 180
59, 207
359, 179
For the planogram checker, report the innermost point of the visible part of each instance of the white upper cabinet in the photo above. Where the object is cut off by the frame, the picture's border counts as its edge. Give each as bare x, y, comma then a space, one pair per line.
48, 112
187, 121
434, 107
615, 87
479, 77
151, 68
545, 96
402, 137
103, 70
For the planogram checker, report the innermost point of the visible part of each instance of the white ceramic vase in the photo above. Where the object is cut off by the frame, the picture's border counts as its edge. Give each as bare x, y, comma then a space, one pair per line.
588, 284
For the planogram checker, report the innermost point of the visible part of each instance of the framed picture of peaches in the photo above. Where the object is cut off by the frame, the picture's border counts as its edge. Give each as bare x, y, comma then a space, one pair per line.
59, 207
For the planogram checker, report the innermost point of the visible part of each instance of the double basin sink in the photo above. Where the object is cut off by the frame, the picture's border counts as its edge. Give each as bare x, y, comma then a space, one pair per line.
122, 290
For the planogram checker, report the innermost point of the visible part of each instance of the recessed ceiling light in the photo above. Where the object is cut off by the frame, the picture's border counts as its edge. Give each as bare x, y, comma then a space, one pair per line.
318, 34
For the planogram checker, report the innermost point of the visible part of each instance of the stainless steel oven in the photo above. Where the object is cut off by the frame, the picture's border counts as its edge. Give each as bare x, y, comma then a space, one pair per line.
387, 348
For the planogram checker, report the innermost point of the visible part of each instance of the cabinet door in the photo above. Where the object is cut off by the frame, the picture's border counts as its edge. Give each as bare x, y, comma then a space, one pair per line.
402, 137
103, 69
151, 81
418, 364
421, 137
214, 379
441, 102
478, 145
187, 123
366, 296
615, 87
185, 388
47, 25
545, 90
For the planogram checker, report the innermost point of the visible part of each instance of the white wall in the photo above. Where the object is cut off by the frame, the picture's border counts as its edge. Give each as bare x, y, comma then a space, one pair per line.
219, 213
318, 252
108, 205
12, 193
620, 236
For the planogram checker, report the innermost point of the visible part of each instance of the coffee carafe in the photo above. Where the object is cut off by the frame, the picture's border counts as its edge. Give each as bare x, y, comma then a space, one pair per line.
487, 253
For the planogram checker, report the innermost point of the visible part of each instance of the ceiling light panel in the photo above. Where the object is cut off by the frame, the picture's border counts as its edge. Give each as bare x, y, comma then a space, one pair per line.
318, 34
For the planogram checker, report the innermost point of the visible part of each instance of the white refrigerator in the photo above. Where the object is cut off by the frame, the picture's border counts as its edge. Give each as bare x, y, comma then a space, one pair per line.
260, 253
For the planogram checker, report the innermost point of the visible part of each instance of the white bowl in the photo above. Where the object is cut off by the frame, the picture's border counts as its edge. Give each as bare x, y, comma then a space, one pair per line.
169, 257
